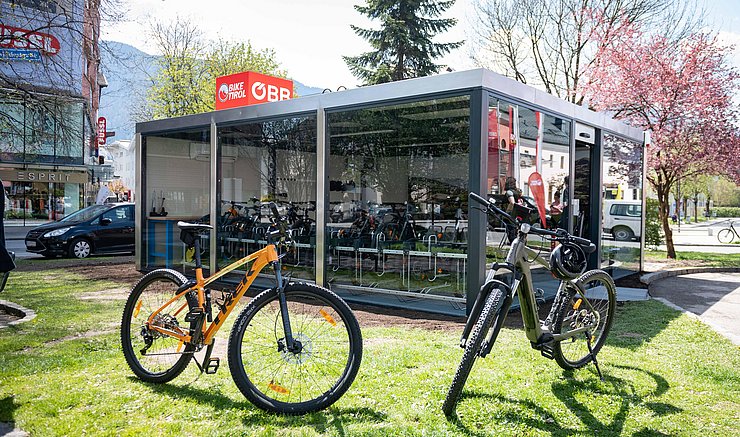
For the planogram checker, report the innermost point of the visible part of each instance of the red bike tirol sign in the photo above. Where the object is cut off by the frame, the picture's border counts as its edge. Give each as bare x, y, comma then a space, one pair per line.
249, 88
17, 38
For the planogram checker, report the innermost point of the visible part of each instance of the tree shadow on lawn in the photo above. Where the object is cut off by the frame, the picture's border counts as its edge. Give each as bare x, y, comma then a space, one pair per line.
322, 421
566, 390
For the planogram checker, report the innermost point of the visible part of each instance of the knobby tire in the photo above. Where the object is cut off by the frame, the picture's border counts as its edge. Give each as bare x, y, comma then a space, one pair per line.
472, 347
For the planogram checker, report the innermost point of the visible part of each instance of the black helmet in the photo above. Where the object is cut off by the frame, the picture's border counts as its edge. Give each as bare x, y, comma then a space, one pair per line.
567, 261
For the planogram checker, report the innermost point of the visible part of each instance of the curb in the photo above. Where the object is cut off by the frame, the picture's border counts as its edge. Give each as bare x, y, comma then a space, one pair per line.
651, 277
15, 309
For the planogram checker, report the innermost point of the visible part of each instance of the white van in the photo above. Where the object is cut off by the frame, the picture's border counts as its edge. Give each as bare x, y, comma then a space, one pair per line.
622, 219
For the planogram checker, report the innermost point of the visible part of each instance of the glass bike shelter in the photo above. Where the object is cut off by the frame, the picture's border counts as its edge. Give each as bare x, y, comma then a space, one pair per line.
374, 181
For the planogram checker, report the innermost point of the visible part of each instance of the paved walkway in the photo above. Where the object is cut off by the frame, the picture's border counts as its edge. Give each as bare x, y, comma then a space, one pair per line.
713, 297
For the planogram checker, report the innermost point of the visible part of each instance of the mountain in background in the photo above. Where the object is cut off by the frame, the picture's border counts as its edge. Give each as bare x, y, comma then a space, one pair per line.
128, 71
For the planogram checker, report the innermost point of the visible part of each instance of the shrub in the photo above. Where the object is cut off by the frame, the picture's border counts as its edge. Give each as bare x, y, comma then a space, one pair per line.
726, 211
653, 229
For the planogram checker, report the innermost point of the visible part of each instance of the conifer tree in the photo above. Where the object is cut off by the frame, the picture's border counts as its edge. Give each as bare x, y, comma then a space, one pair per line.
403, 47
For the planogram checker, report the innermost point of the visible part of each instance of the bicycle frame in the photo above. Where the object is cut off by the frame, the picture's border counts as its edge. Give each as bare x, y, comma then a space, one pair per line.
518, 281
261, 258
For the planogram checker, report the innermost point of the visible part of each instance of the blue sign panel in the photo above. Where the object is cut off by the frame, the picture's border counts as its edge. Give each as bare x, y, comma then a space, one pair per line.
20, 55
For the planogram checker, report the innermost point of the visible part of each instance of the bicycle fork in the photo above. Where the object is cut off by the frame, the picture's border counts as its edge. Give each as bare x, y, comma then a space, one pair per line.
291, 344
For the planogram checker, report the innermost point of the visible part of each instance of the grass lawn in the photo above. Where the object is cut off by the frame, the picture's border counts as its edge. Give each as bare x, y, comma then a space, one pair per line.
665, 374
708, 259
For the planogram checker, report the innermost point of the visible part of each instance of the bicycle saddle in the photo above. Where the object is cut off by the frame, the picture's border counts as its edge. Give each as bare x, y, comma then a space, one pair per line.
194, 227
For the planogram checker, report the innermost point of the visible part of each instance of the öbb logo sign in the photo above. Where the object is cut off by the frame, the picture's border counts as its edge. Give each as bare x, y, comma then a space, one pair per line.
248, 88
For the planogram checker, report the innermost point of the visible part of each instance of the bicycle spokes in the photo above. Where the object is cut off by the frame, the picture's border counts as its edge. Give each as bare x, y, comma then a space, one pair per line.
314, 363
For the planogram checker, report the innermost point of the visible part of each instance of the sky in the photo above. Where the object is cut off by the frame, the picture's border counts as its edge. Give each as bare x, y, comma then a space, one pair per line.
310, 37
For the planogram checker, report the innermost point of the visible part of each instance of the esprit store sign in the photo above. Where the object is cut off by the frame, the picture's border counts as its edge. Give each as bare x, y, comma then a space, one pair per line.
249, 88
17, 38
101, 130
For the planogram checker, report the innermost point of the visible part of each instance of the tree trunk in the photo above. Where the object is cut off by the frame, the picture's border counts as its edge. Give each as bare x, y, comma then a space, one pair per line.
696, 209
664, 209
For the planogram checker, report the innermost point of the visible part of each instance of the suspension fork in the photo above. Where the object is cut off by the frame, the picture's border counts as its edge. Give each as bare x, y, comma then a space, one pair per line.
289, 342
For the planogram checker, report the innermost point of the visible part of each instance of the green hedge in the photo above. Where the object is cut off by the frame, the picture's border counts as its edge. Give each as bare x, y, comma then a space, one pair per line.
726, 211
653, 228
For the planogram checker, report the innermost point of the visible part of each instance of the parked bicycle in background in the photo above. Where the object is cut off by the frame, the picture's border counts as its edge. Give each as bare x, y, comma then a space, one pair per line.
729, 234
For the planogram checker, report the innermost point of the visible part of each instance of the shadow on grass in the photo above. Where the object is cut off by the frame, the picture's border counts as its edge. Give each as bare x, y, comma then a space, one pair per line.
333, 418
569, 390
7, 408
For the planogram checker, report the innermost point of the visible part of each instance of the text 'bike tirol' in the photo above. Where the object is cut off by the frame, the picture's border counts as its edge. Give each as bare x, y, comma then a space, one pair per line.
295, 348
581, 315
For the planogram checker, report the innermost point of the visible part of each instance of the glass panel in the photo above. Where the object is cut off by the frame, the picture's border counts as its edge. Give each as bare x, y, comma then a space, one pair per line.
537, 140
398, 181
177, 188
11, 130
268, 161
622, 210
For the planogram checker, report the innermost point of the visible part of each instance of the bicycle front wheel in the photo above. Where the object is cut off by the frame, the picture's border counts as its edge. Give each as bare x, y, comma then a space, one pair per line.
725, 236
597, 308
328, 355
152, 356
472, 348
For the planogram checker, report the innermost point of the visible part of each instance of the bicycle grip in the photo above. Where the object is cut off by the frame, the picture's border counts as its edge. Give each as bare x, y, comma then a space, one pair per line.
478, 199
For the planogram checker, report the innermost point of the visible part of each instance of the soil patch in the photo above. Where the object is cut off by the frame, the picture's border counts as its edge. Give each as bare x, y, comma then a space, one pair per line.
122, 270
6, 317
630, 281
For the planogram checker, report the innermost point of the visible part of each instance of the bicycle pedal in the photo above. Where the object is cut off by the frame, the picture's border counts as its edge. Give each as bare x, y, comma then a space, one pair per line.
212, 365
547, 350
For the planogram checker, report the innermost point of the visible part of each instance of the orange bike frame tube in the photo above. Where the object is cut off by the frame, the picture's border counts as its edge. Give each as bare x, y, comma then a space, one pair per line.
261, 258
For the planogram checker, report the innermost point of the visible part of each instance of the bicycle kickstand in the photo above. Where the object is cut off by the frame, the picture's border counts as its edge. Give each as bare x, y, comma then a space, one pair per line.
593, 356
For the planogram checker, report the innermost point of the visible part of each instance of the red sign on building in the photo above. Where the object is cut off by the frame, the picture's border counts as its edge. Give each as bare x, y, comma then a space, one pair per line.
249, 88
17, 38
101, 130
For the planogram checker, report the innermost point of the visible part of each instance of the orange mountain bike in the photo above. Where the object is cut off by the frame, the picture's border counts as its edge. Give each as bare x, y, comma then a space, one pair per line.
294, 349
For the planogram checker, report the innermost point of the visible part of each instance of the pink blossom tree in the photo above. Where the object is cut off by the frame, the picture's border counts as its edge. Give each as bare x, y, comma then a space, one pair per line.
680, 91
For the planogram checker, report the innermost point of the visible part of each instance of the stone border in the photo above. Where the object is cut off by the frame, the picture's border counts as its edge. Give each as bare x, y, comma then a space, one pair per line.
15, 309
651, 277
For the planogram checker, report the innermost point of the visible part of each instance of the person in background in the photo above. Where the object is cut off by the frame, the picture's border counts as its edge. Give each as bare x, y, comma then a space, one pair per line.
512, 192
556, 210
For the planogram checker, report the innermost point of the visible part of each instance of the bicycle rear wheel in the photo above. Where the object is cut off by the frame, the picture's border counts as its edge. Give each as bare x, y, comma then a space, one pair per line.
298, 382
473, 344
152, 356
725, 236
576, 312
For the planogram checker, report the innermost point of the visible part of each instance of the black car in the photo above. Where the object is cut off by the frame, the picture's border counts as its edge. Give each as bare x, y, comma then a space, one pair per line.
95, 229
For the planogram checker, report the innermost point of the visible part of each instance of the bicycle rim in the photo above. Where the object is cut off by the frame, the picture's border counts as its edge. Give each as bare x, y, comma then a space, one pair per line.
297, 382
576, 312
725, 236
165, 357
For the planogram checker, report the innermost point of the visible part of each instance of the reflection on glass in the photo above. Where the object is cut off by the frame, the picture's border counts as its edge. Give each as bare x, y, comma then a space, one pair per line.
268, 161
398, 180
537, 142
622, 205
177, 187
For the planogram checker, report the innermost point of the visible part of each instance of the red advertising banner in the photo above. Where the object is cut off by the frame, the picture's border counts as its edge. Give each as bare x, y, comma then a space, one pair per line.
101, 130
249, 88
17, 38
538, 192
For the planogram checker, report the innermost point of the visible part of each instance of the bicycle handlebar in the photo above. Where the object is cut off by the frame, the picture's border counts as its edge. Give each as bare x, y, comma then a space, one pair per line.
559, 234
491, 207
